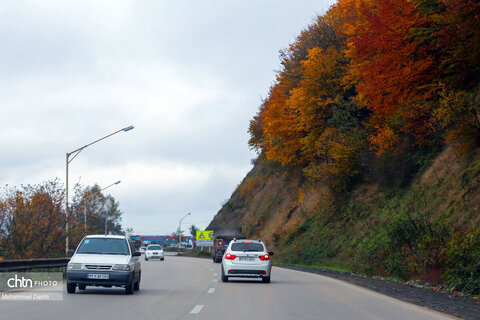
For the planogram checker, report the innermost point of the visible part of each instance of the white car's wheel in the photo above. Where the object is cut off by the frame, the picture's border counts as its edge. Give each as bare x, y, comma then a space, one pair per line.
129, 288
136, 286
224, 277
71, 287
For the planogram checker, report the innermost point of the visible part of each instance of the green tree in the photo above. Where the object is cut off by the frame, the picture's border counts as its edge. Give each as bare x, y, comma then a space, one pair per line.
193, 231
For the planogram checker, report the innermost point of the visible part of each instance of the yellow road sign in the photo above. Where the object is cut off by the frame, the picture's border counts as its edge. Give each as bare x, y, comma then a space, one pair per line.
204, 235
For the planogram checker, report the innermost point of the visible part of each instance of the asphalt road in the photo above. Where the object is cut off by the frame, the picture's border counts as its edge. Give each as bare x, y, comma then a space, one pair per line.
189, 288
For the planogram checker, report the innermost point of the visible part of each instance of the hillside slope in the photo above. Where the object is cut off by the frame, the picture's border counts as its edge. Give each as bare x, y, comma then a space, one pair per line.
428, 230
366, 115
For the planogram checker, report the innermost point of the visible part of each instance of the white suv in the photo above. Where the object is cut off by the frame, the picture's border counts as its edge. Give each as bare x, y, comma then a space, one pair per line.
104, 261
247, 259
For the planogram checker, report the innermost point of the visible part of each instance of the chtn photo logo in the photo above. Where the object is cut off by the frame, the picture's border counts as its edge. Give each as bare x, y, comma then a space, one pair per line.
17, 282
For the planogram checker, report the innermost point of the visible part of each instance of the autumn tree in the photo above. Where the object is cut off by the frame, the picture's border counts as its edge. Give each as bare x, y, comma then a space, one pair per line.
101, 210
456, 25
396, 74
281, 126
33, 221
454, 32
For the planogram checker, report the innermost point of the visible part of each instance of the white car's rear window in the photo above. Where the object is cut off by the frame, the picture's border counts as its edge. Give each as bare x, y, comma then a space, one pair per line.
247, 247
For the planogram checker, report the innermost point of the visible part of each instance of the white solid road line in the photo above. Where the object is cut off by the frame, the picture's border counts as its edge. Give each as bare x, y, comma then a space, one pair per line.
197, 309
211, 290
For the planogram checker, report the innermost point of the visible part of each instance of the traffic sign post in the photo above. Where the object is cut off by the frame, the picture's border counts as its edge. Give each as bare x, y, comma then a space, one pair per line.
204, 238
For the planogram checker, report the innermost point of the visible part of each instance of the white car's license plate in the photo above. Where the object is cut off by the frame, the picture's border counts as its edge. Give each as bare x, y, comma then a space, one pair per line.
97, 276
246, 259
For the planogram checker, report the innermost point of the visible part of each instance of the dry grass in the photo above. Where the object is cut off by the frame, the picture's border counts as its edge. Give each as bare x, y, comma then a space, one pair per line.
446, 164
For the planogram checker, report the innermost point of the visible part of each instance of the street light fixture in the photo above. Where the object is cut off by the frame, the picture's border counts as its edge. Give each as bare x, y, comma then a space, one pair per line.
180, 229
85, 203
75, 154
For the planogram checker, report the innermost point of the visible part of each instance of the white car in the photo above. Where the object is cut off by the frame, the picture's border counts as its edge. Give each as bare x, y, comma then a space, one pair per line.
247, 259
104, 260
154, 251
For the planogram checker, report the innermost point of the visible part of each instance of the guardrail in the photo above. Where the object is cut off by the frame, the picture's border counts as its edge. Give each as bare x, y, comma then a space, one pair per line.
29, 264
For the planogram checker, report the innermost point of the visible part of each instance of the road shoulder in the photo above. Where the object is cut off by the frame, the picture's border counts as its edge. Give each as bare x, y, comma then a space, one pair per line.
465, 307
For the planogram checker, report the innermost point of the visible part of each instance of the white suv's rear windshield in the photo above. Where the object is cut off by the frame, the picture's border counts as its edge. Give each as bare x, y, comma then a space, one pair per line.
103, 246
247, 247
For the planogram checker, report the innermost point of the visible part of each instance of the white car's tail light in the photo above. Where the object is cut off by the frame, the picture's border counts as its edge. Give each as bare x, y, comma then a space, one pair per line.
230, 256
265, 257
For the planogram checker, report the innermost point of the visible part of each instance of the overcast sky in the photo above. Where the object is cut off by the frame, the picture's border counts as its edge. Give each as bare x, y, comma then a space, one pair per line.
189, 75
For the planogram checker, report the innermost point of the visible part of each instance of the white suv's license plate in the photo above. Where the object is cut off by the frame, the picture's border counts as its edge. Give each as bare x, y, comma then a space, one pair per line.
97, 276
246, 259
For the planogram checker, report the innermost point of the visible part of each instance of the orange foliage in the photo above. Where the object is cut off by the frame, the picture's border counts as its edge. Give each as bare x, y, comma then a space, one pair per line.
391, 68
280, 129
372, 72
384, 139
33, 222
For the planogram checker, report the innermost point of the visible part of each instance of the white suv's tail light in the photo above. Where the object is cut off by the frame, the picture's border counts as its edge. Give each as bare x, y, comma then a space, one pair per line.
230, 256
265, 257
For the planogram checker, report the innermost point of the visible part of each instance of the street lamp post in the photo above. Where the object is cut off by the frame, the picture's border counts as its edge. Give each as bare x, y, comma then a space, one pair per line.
75, 154
180, 229
85, 203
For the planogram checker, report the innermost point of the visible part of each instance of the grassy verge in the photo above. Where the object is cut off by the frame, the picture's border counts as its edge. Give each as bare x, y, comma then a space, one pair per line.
317, 266
197, 253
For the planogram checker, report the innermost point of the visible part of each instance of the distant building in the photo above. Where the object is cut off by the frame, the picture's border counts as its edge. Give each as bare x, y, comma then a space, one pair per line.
163, 240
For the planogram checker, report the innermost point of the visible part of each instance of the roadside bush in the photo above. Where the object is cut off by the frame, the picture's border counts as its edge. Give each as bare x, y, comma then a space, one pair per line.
415, 247
372, 251
463, 261
403, 234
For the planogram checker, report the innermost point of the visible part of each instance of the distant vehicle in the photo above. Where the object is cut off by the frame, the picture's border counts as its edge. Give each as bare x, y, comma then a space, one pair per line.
106, 261
154, 251
142, 249
221, 237
247, 259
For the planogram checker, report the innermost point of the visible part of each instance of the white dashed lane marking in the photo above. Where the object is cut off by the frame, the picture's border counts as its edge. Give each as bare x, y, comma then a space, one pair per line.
197, 309
211, 290
215, 280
